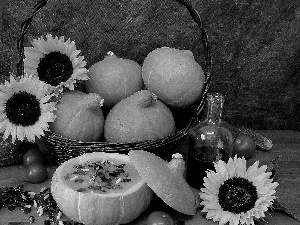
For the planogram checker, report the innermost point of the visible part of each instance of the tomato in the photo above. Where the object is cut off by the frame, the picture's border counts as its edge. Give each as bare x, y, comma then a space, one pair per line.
33, 156
244, 145
160, 218
36, 173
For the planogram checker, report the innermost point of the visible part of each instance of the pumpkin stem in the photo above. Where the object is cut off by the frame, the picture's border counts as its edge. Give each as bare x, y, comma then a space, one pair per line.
110, 53
90, 100
177, 165
147, 100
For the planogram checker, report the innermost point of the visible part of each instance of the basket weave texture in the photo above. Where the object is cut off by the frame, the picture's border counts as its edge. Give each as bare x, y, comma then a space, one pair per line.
62, 149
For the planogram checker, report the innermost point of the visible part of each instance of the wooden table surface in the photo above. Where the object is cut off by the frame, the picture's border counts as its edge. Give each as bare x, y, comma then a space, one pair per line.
286, 144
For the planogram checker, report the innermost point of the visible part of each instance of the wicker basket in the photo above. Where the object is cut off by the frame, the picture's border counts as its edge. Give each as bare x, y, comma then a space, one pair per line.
63, 149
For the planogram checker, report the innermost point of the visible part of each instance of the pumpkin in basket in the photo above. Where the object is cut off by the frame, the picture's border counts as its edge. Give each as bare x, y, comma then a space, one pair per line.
114, 79
79, 116
65, 149
139, 117
173, 75
100, 188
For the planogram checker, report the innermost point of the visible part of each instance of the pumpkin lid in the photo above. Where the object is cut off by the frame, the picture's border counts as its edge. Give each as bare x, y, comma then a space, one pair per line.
166, 180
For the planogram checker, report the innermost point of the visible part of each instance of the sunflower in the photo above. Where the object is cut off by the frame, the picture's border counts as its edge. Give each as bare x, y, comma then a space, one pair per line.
235, 194
25, 109
56, 62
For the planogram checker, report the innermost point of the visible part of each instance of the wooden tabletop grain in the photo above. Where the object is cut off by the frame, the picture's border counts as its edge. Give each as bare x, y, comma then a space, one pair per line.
286, 147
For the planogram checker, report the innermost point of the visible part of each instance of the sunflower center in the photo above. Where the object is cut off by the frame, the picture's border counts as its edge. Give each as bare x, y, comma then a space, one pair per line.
23, 109
237, 195
54, 68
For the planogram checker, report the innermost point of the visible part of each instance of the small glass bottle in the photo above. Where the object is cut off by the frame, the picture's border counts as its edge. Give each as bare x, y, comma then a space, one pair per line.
208, 142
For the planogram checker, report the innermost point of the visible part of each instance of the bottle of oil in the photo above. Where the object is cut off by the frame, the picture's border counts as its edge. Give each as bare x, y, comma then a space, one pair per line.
208, 142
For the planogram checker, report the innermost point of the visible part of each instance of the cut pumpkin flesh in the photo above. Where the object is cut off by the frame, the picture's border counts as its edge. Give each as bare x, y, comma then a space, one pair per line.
100, 188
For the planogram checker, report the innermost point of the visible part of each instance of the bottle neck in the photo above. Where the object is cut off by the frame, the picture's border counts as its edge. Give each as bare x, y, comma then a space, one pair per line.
215, 103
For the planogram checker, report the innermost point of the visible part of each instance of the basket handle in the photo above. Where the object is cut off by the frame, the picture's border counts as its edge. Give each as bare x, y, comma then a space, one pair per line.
208, 62
41, 3
196, 17
24, 28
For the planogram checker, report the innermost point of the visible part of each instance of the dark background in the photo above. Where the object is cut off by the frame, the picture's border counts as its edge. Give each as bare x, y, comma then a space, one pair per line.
255, 45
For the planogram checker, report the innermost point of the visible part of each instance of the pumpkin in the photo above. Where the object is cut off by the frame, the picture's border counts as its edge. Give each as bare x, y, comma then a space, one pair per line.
173, 75
79, 116
94, 208
114, 78
139, 117
167, 180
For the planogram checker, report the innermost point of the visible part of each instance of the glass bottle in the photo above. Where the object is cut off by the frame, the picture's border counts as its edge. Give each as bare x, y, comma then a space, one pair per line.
208, 142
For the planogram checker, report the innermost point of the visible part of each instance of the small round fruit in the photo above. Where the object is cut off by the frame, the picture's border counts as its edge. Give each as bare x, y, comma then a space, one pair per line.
244, 145
36, 173
33, 156
160, 218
